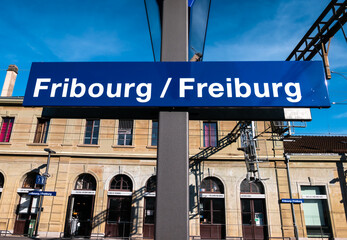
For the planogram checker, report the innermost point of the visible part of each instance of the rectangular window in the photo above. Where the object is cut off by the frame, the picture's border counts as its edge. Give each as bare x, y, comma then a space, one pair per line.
34, 204
125, 132
154, 141
41, 130
6, 129
28, 204
210, 134
92, 132
316, 211
24, 204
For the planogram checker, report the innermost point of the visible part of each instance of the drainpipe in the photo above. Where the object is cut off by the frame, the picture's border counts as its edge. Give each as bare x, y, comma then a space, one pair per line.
287, 157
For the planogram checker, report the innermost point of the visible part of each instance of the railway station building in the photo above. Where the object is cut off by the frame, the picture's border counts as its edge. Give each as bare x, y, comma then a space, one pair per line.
104, 174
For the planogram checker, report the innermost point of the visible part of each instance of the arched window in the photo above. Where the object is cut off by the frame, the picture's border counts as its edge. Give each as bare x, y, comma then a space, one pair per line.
121, 182
252, 187
1, 180
151, 185
29, 181
211, 185
212, 209
85, 182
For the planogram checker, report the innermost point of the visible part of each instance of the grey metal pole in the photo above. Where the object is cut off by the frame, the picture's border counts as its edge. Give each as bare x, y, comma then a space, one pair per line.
46, 175
291, 197
172, 175
174, 36
172, 204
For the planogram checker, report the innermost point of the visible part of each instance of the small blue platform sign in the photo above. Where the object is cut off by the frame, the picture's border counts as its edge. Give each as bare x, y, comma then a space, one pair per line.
288, 200
40, 180
42, 193
178, 84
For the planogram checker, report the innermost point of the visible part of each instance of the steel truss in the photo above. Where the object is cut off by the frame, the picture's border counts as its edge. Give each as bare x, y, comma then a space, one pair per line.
314, 41
324, 28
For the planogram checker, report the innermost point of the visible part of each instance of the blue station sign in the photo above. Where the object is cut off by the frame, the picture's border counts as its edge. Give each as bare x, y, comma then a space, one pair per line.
290, 200
42, 193
178, 84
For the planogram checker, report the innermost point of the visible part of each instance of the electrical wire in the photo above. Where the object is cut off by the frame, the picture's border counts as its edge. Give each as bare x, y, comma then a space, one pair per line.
339, 74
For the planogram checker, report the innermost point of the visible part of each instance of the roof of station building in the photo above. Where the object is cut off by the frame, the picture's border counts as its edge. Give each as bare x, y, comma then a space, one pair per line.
315, 144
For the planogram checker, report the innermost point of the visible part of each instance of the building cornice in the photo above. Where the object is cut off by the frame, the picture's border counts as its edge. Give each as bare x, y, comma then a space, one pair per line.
13, 101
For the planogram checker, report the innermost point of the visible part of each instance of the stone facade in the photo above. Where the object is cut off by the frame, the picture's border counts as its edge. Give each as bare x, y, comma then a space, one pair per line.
106, 159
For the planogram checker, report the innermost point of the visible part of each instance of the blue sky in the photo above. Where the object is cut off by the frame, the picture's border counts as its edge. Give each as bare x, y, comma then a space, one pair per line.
257, 30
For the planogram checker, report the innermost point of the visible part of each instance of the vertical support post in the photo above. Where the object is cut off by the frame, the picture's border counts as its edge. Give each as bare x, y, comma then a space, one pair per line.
172, 203
174, 32
43, 189
172, 177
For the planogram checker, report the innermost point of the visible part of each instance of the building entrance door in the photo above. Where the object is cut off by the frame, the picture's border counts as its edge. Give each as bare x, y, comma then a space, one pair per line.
212, 218
28, 205
254, 223
118, 217
149, 209
80, 208
212, 209
26, 211
82, 214
253, 219
149, 218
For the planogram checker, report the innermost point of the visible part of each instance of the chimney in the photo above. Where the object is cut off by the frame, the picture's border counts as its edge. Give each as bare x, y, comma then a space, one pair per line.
10, 80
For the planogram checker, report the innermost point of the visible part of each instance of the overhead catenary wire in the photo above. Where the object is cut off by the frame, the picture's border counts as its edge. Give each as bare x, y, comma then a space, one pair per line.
56, 137
25, 130
339, 74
